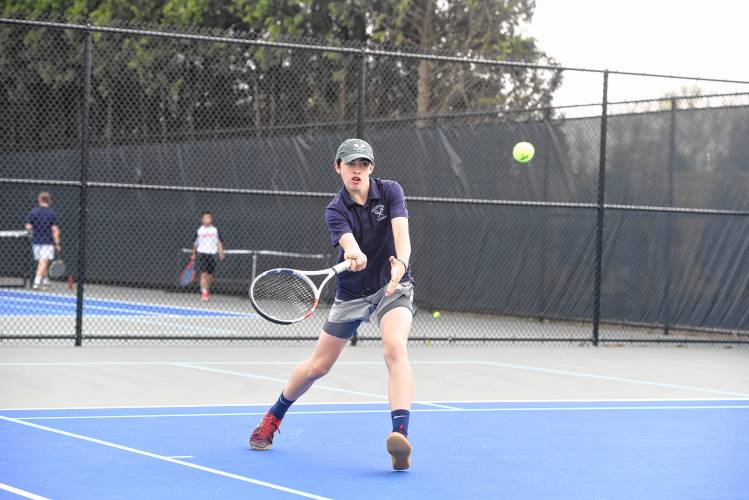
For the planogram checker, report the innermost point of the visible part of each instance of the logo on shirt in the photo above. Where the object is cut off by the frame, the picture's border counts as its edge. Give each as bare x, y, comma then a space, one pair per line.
379, 211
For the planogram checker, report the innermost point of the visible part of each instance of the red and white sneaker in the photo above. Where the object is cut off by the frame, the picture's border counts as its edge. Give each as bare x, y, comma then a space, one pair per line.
262, 437
205, 295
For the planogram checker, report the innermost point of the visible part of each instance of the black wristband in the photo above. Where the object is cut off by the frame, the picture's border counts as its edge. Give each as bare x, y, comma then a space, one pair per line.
405, 266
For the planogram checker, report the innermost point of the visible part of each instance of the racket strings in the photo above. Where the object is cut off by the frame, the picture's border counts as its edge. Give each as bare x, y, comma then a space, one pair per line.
283, 296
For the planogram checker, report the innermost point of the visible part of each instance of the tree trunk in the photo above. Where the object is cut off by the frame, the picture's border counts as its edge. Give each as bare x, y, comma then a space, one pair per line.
423, 85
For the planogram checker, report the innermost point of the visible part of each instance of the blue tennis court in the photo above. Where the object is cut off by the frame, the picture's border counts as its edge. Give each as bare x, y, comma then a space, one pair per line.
20, 303
669, 449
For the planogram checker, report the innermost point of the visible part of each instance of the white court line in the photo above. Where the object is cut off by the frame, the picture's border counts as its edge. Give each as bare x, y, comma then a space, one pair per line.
417, 410
332, 403
316, 386
166, 459
611, 378
182, 456
20, 492
230, 363
203, 405
199, 365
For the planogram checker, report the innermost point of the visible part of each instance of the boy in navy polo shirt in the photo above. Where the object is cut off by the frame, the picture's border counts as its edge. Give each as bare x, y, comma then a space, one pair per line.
42, 222
368, 220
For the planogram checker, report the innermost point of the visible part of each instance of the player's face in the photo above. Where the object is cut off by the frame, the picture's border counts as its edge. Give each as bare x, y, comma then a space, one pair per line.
207, 219
355, 174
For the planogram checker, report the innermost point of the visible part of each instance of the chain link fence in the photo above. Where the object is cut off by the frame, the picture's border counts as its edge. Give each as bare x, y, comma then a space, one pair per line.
629, 225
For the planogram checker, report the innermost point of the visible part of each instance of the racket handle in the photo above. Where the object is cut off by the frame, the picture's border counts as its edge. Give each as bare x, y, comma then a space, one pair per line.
342, 266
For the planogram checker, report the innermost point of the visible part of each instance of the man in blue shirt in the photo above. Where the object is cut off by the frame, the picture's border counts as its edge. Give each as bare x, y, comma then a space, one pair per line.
368, 220
45, 239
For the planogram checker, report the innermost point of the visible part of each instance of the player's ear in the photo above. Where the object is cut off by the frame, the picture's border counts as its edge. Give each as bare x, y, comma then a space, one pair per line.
337, 166
371, 167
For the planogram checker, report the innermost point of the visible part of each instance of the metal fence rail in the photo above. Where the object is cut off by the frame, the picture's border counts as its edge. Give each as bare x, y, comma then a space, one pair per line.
630, 225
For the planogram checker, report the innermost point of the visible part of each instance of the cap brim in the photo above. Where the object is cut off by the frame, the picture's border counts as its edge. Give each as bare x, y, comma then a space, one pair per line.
355, 156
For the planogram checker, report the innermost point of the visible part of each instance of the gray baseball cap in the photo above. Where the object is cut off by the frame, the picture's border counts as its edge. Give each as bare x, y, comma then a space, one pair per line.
351, 149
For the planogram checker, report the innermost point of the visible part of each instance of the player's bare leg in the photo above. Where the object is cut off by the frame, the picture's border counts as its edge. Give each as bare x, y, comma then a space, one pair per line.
395, 326
205, 285
326, 353
42, 267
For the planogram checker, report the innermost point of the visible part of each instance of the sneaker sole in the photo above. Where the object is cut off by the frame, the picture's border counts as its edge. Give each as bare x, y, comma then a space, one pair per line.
400, 450
257, 448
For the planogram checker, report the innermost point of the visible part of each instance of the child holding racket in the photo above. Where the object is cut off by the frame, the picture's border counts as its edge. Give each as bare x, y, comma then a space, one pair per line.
42, 222
207, 245
368, 220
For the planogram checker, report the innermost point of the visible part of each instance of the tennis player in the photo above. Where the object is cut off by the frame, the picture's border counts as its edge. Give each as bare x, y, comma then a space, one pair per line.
368, 220
207, 246
45, 239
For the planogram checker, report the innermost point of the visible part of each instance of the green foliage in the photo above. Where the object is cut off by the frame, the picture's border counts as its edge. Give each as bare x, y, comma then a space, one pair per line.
147, 87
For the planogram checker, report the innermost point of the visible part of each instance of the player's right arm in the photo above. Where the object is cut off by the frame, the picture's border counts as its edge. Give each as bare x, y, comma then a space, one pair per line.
340, 234
28, 225
56, 237
352, 252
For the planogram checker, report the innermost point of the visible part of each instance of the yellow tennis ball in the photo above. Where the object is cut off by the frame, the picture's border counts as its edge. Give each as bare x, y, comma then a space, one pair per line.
436, 314
523, 152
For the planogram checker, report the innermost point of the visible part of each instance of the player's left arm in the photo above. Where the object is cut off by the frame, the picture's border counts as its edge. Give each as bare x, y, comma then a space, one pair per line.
399, 261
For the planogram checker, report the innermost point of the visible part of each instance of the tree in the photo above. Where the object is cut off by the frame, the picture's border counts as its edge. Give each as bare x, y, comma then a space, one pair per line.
146, 87
469, 28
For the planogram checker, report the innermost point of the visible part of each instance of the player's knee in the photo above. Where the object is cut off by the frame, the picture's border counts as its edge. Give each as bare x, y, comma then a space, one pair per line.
394, 351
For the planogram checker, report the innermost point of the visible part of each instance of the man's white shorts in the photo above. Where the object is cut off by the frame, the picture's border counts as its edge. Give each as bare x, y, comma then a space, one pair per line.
44, 252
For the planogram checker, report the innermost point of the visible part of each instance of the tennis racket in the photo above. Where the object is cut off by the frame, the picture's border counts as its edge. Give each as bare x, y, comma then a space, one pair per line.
187, 275
286, 296
56, 269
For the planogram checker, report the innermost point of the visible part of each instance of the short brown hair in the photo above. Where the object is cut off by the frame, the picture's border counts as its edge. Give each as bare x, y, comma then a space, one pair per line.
45, 197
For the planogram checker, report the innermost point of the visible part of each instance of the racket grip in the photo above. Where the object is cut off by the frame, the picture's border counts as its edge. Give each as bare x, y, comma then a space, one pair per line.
342, 266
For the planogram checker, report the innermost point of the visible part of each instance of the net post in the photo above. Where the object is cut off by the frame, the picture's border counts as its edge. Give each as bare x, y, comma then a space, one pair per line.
361, 94
600, 212
667, 265
82, 200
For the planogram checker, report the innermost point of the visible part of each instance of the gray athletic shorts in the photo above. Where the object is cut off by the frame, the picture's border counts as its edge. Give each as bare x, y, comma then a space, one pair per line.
346, 316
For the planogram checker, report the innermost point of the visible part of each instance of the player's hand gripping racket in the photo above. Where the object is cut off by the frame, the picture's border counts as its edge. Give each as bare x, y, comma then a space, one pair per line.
286, 296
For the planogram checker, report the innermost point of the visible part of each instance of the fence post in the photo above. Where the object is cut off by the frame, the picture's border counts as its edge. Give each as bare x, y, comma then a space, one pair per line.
600, 212
668, 266
361, 95
82, 200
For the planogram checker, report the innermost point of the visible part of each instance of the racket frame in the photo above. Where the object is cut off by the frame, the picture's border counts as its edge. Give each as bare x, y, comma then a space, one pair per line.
57, 269
189, 267
304, 275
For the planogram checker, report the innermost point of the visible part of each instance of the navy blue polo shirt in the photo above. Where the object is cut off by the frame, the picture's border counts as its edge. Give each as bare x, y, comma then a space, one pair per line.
371, 227
42, 219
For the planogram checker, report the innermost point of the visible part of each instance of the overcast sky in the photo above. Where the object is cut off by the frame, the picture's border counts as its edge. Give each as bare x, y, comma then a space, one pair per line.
689, 37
